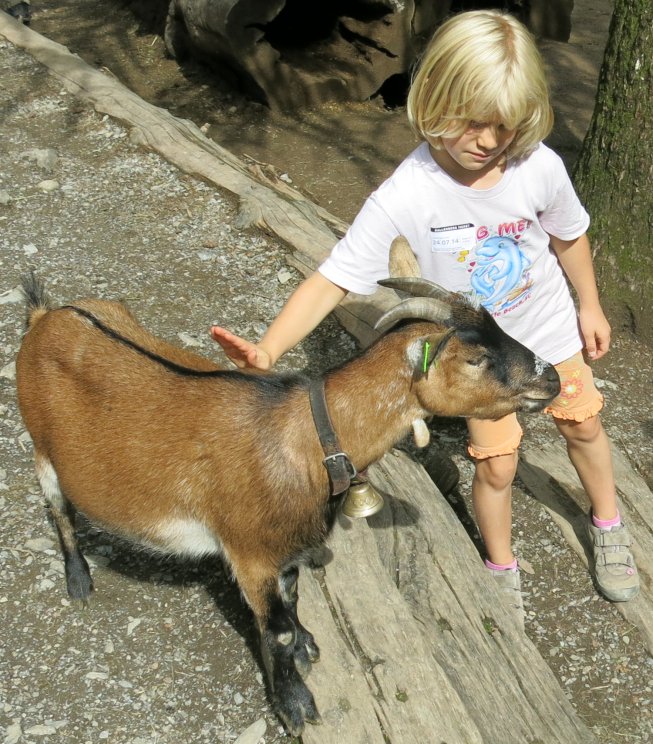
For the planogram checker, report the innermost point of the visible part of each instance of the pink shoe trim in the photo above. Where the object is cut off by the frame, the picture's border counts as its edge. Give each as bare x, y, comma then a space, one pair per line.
498, 567
605, 523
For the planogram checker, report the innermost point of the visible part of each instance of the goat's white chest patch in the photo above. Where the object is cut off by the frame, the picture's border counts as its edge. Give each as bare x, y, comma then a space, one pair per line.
187, 537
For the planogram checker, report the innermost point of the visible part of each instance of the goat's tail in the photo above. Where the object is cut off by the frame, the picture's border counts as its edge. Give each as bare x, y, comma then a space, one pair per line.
38, 302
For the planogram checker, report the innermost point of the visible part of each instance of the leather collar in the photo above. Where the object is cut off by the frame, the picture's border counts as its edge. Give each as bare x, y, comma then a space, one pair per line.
339, 467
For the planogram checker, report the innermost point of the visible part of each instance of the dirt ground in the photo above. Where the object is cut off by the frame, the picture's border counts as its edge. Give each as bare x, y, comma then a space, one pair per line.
166, 653
336, 154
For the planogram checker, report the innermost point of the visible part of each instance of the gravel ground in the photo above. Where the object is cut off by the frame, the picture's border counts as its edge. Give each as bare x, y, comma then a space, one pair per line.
166, 652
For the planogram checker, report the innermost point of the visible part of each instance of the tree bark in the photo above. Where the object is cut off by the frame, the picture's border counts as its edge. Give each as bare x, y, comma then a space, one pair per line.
614, 172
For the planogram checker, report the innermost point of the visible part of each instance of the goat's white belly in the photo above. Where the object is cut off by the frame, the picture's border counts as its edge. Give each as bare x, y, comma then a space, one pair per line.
186, 537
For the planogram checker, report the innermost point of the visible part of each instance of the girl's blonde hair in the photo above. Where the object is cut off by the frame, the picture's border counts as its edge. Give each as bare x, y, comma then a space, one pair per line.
481, 66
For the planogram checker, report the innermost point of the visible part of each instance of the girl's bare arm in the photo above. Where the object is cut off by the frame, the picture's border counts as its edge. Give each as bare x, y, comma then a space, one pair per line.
576, 260
310, 303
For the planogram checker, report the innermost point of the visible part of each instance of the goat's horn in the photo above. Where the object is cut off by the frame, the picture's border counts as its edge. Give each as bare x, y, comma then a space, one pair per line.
418, 287
415, 308
402, 261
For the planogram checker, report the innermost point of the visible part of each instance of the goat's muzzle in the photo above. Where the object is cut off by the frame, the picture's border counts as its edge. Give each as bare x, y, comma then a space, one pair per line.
546, 387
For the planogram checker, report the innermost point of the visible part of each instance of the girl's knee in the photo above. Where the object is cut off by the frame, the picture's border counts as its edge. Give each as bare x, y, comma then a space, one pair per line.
497, 472
580, 431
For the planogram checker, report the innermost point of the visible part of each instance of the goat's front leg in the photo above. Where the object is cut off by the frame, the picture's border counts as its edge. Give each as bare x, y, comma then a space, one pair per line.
291, 698
306, 650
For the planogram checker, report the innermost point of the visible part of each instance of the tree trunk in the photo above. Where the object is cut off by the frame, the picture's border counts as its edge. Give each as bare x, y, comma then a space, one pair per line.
614, 172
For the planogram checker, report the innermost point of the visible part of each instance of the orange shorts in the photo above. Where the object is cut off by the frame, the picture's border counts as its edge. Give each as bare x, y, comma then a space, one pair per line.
578, 400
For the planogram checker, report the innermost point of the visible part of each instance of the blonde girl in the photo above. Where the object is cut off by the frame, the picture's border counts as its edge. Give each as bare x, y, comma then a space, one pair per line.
489, 211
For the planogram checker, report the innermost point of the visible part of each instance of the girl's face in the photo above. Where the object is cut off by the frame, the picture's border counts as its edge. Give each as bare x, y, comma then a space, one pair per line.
476, 152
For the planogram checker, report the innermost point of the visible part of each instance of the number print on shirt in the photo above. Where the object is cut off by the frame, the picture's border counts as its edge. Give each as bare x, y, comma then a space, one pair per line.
453, 238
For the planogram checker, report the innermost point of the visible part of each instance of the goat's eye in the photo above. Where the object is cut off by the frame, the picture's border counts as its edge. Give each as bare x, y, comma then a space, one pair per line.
477, 361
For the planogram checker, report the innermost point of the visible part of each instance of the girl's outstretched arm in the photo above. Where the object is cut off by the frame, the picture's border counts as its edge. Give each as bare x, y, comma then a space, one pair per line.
309, 304
576, 260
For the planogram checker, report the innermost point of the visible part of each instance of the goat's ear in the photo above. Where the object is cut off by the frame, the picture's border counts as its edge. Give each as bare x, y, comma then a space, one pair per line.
425, 351
402, 261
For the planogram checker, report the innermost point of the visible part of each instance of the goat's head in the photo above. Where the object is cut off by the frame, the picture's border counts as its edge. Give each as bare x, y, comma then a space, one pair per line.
467, 366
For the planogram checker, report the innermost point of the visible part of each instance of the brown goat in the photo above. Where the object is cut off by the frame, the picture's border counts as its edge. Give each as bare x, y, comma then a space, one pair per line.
158, 445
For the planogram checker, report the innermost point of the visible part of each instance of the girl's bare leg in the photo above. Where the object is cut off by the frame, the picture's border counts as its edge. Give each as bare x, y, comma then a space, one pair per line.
492, 499
589, 451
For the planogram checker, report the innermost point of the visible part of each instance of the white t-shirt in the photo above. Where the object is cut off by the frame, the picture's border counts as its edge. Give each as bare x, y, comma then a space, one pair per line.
490, 244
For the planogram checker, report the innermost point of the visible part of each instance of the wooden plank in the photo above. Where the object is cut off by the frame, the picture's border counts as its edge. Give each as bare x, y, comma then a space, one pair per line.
412, 698
550, 476
338, 681
476, 640
415, 637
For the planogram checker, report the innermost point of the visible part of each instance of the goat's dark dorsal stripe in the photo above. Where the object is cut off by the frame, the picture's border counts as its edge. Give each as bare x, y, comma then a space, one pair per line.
269, 385
172, 366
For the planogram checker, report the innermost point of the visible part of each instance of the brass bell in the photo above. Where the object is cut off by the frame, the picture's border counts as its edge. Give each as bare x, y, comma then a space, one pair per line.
362, 500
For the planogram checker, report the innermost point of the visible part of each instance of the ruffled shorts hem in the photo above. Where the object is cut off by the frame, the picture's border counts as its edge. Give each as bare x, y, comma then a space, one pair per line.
506, 448
581, 414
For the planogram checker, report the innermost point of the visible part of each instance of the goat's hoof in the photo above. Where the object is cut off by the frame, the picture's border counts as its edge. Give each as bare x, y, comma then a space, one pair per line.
296, 724
302, 662
83, 604
80, 588
313, 650
297, 708
304, 658
305, 648
315, 721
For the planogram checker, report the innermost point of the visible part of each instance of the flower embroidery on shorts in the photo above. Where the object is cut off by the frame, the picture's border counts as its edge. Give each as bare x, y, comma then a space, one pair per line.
571, 387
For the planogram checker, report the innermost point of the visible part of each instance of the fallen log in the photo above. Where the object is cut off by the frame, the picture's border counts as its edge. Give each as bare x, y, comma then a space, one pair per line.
290, 55
411, 628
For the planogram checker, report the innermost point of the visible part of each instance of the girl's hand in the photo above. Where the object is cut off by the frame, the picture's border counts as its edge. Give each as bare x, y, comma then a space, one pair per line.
595, 330
242, 353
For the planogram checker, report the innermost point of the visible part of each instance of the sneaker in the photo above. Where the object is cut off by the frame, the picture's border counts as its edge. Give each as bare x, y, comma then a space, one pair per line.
508, 583
615, 572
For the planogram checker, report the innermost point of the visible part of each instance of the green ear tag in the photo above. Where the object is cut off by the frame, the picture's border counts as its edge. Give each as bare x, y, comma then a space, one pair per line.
425, 365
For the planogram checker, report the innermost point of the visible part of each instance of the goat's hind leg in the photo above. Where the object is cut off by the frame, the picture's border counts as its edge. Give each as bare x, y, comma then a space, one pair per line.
78, 575
306, 650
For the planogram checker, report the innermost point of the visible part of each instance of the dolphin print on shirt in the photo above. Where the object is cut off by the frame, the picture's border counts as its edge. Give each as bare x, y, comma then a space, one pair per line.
500, 275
